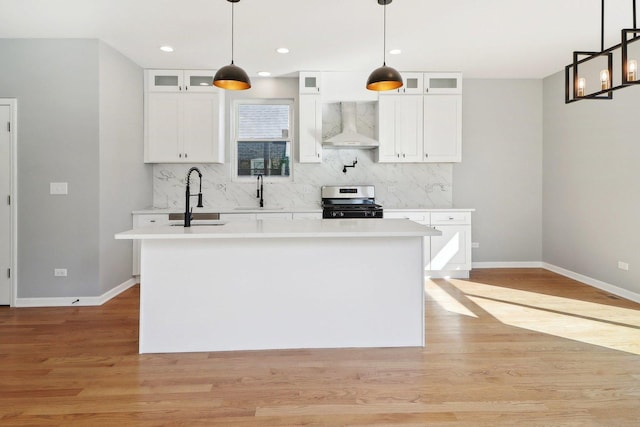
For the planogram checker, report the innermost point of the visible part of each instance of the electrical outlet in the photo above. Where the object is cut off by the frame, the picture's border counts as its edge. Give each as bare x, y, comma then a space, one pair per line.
475, 245
61, 188
623, 266
306, 189
60, 272
391, 189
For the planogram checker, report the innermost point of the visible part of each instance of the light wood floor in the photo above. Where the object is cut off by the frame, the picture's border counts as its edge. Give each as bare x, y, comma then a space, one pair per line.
508, 347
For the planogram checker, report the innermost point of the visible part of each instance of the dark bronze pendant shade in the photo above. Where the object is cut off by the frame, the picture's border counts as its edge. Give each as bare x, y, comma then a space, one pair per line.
385, 77
232, 77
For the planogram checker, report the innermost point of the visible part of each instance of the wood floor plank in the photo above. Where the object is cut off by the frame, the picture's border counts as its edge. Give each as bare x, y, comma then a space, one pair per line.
507, 347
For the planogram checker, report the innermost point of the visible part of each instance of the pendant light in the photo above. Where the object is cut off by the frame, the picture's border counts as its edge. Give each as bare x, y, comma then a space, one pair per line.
232, 77
576, 84
384, 78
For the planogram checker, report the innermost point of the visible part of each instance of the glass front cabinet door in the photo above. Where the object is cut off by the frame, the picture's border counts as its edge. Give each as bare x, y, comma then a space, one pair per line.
442, 83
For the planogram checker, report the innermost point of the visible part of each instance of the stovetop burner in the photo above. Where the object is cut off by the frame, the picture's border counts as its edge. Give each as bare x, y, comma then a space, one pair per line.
350, 202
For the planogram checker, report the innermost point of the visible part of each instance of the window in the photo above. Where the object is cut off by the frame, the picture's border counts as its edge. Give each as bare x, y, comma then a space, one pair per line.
263, 138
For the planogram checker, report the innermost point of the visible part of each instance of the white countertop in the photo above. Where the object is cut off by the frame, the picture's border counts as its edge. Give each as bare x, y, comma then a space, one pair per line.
303, 228
228, 210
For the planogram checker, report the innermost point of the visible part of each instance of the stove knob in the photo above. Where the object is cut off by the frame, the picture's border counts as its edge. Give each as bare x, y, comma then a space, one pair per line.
341, 213
334, 214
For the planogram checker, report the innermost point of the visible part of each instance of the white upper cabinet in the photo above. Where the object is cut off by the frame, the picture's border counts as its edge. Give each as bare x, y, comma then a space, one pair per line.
442, 128
180, 81
183, 118
412, 84
442, 83
440, 122
181, 128
199, 81
310, 128
310, 82
400, 129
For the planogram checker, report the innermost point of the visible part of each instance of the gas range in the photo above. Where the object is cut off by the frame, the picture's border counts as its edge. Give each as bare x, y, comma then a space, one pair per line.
355, 201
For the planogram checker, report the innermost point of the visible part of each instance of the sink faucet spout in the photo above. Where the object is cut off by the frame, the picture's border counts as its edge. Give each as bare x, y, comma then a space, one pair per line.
260, 192
188, 195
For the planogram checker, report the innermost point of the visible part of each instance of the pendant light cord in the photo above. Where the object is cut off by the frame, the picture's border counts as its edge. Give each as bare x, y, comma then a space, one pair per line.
384, 36
232, 21
634, 14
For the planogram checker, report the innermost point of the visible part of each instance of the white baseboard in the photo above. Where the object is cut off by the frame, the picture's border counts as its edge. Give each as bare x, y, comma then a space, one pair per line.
512, 264
455, 274
607, 287
75, 301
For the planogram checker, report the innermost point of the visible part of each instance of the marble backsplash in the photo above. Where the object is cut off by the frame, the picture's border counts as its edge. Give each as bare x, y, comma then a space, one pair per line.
408, 185
397, 185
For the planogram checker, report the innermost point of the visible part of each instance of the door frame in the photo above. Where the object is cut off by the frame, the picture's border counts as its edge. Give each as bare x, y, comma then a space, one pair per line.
12, 103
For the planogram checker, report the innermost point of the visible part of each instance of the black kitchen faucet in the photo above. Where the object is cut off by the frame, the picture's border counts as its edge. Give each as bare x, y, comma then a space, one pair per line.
260, 192
188, 195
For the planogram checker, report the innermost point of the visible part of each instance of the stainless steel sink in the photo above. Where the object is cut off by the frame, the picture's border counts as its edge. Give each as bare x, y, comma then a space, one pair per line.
206, 224
257, 208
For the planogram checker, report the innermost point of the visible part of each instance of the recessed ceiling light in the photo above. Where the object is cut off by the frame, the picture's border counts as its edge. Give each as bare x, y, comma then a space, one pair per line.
395, 51
264, 73
282, 50
166, 48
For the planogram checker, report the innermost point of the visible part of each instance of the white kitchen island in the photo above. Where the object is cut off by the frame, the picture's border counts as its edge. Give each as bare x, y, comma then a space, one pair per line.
271, 284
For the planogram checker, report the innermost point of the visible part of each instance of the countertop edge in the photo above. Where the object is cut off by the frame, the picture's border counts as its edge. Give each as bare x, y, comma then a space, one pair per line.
269, 229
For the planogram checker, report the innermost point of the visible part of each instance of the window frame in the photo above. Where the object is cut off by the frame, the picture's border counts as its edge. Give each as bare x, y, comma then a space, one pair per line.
234, 139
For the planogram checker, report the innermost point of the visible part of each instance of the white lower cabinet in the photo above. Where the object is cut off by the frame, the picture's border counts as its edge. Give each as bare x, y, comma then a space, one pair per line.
448, 254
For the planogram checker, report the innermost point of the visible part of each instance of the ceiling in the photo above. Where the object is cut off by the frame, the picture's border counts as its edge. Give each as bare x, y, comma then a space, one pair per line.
481, 38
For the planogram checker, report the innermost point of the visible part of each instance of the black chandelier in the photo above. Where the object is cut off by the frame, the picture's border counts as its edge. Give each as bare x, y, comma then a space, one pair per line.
601, 64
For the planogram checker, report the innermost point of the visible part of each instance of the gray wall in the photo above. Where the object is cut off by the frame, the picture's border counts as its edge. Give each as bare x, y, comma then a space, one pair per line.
56, 83
501, 170
125, 182
591, 202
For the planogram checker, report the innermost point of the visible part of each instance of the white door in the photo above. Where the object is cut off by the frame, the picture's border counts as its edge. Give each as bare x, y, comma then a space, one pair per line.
5, 208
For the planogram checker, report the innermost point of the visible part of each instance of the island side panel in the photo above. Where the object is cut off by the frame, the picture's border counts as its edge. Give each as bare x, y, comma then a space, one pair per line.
275, 293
